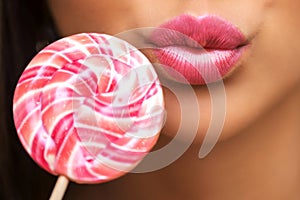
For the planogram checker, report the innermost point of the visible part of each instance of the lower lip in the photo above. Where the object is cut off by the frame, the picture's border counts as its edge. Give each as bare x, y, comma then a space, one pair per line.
197, 66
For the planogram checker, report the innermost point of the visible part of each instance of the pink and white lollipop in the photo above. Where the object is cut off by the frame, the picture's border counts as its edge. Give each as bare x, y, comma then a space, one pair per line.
88, 107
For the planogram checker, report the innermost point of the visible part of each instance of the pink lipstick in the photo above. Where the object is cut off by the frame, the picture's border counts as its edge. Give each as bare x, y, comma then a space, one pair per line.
199, 50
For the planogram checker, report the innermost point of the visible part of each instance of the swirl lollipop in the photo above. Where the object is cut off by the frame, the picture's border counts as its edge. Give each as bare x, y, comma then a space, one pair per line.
88, 108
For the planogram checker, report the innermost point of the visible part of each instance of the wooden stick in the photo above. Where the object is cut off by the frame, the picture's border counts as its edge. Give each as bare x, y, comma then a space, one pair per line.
59, 188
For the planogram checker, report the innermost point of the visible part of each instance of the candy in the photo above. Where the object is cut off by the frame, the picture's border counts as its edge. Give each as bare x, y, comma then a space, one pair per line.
88, 107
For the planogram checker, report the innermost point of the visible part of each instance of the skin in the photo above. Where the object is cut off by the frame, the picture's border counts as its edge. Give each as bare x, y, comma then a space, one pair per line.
257, 153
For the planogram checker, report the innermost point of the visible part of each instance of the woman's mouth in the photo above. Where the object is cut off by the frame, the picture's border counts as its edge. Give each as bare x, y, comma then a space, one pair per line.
199, 50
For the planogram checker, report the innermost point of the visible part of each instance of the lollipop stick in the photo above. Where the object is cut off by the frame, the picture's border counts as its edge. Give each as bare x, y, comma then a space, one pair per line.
59, 188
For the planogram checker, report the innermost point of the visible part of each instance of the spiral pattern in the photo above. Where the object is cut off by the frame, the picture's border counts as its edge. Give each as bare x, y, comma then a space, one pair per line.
89, 107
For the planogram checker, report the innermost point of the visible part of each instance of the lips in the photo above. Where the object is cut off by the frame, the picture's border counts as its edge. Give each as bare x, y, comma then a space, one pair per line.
198, 50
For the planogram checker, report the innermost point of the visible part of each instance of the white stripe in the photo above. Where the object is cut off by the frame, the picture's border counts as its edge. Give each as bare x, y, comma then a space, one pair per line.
119, 166
128, 144
95, 128
34, 133
26, 118
27, 95
71, 159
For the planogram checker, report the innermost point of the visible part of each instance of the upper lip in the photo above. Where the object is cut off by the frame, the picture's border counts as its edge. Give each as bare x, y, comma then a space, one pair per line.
208, 32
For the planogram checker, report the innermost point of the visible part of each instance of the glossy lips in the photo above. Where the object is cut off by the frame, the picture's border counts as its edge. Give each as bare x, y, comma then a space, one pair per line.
88, 107
198, 50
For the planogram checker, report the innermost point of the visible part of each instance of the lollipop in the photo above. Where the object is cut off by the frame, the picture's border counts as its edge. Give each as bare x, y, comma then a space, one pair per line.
88, 107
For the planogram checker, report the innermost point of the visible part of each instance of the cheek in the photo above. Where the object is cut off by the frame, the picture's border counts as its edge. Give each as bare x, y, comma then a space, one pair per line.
90, 16
110, 17
268, 76
272, 71
274, 64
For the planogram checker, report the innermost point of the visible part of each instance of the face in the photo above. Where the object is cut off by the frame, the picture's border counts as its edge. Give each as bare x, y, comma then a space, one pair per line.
265, 73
